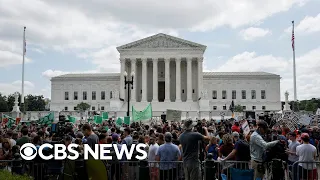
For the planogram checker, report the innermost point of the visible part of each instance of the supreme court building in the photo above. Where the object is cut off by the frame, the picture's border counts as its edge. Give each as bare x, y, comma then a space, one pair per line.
167, 72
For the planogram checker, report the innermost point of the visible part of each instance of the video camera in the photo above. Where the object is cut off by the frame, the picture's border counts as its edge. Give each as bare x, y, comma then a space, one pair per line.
59, 128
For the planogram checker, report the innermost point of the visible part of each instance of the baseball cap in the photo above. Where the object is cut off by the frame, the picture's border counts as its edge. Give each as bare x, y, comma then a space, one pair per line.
235, 134
305, 136
115, 137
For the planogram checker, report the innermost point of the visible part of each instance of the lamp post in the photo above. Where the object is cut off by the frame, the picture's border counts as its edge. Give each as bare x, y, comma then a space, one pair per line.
128, 82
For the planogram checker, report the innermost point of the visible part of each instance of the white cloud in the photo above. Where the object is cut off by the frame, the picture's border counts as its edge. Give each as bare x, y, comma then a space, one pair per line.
8, 58
308, 25
10, 54
53, 73
307, 67
94, 24
9, 88
253, 33
37, 50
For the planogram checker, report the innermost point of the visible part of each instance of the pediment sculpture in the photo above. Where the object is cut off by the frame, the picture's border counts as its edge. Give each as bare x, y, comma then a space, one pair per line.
161, 42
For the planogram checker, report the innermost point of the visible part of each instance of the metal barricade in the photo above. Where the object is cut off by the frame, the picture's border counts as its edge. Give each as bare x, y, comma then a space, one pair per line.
146, 170
304, 170
225, 169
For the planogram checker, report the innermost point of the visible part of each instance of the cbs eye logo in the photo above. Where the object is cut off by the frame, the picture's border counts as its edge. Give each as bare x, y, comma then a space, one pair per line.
28, 151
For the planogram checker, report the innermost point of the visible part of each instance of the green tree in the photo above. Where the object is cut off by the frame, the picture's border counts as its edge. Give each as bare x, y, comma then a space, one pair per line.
3, 103
10, 101
238, 108
310, 106
83, 106
35, 103
302, 105
294, 106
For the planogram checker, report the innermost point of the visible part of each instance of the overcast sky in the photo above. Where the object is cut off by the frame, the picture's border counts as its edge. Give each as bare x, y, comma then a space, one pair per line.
67, 36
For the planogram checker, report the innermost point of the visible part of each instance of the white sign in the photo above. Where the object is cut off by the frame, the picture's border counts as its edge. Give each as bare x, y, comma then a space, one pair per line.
318, 111
173, 115
245, 127
29, 151
305, 119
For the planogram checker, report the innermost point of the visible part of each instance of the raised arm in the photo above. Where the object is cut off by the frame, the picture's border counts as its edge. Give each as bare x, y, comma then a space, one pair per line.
262, 143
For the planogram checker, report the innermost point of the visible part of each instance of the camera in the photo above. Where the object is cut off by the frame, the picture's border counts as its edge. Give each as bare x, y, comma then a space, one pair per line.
59, 128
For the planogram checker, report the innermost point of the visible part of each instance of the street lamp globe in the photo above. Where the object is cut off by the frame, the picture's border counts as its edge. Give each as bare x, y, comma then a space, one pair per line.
125, 74
132, 74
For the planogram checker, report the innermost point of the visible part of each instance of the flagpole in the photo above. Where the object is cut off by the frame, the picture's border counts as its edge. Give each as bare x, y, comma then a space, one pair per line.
294, 66
22, 82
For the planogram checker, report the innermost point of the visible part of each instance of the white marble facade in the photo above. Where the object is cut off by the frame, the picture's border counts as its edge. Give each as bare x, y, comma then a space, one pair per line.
168, 73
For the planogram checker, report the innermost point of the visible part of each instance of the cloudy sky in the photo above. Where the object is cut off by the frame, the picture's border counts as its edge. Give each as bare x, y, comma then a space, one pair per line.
69, 36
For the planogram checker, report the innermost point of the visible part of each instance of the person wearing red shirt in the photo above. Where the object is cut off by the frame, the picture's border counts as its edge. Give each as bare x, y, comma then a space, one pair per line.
235, 127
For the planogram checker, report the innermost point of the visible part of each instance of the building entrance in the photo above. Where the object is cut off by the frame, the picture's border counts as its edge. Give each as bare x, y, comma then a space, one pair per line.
161, 91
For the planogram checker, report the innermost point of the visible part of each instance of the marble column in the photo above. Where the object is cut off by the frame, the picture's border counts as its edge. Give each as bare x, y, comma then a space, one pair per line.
134, 86
200, 76
178, 80
155, 80
123, 66
144, 80
167, 79
189, 79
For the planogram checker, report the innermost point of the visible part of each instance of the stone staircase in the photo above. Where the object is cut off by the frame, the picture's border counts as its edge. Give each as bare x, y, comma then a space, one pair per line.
159, 108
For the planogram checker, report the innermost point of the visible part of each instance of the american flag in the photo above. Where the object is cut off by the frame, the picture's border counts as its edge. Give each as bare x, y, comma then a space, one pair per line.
24, 42
292, 39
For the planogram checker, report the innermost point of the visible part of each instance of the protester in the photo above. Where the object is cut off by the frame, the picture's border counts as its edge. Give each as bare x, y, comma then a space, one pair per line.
307, 153
194, 141
190, 148
292, 158
166, 153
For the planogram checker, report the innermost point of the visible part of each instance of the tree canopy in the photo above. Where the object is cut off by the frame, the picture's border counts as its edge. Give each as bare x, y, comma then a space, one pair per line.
83, 106
32, 102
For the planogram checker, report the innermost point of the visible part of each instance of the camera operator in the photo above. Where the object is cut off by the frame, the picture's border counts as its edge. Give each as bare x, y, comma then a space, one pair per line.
257, 148
190, 151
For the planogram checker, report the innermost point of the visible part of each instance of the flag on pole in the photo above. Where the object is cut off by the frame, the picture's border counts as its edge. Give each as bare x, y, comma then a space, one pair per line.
24, 42
7, 120
72, 119
24, 46
105, 115
119, 122
146, 114
48, 119
126, 120
292, 38
97, 119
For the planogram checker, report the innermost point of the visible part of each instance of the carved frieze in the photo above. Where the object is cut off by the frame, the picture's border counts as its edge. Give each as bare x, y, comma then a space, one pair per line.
161, 42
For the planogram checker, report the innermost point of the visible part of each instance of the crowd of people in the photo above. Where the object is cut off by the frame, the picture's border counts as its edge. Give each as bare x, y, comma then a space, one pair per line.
190, 142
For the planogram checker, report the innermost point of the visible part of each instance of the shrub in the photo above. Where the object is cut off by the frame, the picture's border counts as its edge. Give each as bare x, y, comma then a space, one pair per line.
4, 174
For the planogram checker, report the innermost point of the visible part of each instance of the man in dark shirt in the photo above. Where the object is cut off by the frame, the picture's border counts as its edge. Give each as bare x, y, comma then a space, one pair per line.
190, 151
241, 152
95, 168
92, 138
25, 138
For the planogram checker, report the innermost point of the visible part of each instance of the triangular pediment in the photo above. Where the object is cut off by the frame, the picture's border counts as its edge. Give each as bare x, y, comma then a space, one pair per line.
161, 41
